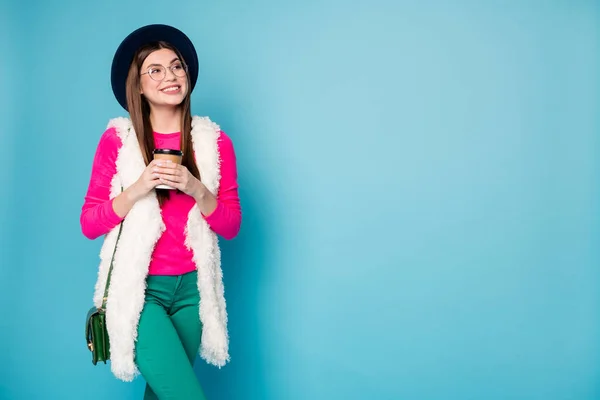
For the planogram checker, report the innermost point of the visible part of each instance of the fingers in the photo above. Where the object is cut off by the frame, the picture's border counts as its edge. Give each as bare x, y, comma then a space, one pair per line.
171, 182
169, 168
154, 179
167, 171
154, 163
170, 178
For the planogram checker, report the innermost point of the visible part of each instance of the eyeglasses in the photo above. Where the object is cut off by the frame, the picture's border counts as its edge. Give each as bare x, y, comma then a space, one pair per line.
159, 73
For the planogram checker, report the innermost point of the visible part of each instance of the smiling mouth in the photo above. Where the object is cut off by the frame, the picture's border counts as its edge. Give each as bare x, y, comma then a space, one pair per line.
171, 89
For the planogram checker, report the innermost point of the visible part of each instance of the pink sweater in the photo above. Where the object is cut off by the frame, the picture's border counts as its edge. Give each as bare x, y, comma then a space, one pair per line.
170, 257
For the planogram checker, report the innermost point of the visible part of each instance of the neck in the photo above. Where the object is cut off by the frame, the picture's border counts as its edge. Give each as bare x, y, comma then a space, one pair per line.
166, 119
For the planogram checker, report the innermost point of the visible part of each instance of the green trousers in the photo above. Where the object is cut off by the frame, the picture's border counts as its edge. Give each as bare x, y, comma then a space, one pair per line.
169, 337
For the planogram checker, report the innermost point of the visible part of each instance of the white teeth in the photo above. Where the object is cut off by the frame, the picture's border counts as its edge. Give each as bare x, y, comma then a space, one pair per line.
171, 89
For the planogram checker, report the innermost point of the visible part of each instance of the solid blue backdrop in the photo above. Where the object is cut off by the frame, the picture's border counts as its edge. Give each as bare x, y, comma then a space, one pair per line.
419, 184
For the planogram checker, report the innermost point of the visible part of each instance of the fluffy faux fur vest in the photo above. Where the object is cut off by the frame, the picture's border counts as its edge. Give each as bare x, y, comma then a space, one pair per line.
141, 229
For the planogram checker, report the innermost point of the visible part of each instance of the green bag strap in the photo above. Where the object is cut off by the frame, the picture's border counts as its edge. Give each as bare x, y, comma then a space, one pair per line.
111, 266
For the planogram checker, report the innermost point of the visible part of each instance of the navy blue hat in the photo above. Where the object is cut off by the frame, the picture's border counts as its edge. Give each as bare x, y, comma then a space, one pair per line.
142, 36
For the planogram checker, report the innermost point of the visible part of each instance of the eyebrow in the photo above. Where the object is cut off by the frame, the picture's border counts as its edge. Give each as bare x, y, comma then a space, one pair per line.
160, 65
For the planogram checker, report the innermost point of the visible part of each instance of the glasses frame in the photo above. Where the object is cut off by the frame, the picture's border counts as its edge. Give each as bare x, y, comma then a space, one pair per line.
185, 70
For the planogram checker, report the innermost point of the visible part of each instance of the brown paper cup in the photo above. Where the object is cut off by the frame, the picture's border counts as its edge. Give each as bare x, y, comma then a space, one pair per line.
168, 154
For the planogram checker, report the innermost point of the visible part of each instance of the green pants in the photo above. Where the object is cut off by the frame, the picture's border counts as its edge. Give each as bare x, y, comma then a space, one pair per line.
169, 337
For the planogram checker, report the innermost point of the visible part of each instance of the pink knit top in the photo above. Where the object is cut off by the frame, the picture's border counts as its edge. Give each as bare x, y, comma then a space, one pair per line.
170, 257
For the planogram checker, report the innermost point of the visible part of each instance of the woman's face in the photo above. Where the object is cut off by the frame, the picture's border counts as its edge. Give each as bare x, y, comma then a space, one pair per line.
163, 79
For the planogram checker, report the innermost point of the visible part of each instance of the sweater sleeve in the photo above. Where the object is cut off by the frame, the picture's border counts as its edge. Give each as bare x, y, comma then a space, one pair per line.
226, 219
97, 214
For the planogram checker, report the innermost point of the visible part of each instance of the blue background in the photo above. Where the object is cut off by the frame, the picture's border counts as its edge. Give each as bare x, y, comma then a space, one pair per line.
419, 183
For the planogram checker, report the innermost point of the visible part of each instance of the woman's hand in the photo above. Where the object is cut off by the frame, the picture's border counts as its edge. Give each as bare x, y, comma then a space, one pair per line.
178, 177
168, 173
147, 181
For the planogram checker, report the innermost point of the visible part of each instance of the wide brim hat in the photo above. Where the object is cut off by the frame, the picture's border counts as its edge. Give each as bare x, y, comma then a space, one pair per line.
140, 37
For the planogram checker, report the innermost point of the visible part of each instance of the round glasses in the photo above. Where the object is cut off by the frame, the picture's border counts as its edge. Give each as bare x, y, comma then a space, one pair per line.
159, 73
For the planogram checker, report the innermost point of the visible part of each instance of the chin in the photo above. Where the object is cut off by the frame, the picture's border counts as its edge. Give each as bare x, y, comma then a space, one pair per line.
172, 103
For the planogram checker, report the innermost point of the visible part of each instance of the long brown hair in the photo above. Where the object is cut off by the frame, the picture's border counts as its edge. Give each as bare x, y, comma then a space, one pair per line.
139, 111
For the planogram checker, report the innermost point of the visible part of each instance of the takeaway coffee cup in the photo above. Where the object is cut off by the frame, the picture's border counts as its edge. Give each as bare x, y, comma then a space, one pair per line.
168, 154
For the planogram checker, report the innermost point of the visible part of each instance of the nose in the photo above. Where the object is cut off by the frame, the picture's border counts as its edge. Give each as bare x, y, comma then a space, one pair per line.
170, 72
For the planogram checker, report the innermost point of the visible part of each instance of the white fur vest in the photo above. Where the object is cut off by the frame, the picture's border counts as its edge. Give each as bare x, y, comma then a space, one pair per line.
141, 229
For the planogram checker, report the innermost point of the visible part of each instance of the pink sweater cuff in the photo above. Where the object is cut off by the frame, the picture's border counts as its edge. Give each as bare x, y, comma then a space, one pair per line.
99, 220
224, 220
111, 216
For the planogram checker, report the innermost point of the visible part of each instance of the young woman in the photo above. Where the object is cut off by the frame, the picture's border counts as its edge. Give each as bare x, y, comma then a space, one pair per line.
166, 299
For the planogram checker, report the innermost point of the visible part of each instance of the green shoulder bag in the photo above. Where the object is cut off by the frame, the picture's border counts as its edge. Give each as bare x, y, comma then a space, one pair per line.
96, 334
